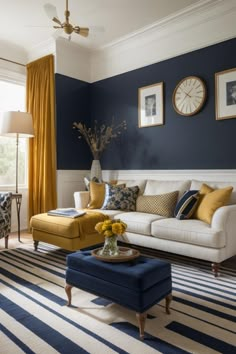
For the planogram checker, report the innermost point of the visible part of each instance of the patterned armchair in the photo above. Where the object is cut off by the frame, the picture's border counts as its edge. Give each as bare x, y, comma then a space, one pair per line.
5, 215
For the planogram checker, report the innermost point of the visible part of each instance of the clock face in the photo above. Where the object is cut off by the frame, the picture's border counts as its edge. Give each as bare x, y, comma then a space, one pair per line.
189, 96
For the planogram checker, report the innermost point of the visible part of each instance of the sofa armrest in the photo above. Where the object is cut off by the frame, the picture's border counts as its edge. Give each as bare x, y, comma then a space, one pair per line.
81, 199
225, 219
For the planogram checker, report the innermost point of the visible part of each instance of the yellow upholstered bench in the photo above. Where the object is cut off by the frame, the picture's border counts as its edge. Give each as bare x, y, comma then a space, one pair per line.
67, 233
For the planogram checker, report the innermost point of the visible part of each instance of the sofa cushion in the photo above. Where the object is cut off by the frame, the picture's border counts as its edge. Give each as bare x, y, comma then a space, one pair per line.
154, 187
210, 200
141, 183
216, 185
190, 231
110, 213
138, 223
118, 198
187, 205
163, 204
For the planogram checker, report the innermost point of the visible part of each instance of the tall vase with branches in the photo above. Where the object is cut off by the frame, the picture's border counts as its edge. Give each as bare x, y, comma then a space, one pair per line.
98, 138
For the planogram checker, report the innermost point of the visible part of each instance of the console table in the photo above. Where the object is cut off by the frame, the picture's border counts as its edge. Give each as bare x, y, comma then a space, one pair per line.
18, 199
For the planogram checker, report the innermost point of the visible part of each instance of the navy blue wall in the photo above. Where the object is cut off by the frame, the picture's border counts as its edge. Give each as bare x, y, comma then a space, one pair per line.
197, 142
72, 105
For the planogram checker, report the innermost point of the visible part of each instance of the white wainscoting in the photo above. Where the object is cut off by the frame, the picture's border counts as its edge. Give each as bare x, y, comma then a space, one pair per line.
69, 182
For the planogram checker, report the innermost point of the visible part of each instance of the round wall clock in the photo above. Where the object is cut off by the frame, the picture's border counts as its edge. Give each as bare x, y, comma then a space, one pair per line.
189, 96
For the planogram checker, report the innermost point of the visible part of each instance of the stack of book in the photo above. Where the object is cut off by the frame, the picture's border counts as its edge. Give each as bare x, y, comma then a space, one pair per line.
66, 212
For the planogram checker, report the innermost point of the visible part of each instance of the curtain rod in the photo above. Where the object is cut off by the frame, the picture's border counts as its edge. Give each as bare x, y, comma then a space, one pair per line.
11, 61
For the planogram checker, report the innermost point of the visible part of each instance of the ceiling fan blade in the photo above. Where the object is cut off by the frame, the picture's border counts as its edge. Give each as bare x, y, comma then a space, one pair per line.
50, 10
83, 31
57, 27
55, 19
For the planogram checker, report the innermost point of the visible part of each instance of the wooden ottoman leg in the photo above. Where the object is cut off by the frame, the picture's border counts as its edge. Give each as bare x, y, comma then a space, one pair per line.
168, 301
141, 317
68, 288
36, 245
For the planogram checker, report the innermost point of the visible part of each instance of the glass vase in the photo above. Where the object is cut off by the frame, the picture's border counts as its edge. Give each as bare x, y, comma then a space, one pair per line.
110, 247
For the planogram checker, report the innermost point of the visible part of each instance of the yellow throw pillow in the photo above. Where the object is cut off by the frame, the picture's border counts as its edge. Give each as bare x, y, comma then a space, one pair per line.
97, 193
210, 200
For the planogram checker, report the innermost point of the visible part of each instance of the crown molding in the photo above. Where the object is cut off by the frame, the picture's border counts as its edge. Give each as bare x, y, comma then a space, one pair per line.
194, 28
178, 16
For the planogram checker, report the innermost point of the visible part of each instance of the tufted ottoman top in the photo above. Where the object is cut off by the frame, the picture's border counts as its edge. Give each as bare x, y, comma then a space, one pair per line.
139, 274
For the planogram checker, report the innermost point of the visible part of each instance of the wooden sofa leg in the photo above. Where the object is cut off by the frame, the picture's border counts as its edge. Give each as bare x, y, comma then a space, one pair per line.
215, 269
168, 301
36, 245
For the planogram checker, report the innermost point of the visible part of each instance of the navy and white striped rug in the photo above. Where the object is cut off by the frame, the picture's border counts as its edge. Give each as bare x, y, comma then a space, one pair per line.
34, 318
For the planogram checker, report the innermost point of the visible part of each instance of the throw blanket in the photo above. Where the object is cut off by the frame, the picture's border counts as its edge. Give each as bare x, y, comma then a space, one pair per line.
87, 222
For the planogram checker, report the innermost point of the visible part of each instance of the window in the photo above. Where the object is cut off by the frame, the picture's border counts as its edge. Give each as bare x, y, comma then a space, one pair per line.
12, 98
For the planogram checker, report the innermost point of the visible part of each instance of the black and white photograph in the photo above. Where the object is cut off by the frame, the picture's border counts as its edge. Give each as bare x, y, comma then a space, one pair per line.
150, 105
231, 93
225, 94
150, 101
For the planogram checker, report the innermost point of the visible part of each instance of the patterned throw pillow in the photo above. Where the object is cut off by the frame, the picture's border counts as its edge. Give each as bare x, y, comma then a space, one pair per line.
97, 194
162, 204
187, 205
118, 198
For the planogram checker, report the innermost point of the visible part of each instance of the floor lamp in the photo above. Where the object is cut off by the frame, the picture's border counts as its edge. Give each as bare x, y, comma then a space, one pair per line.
17, 125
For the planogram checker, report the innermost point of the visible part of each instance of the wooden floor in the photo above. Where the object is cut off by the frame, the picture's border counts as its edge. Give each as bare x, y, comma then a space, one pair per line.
13, 242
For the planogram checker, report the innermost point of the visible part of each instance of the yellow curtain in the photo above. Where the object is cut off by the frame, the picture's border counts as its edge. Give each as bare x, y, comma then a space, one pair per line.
40, 100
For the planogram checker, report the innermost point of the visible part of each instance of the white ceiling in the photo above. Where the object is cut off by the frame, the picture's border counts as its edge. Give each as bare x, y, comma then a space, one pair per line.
25, 23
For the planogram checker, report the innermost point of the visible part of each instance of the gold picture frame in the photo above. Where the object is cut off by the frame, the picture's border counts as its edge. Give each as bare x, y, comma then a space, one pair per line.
225, 94
150, 105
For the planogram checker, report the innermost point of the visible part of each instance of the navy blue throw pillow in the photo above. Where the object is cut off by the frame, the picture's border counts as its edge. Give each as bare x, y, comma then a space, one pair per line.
187, 205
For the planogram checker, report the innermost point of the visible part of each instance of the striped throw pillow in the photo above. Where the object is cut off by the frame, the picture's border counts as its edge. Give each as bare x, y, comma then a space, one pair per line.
187, 205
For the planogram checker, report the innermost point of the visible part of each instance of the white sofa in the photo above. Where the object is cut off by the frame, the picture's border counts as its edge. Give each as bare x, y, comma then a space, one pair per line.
192, 237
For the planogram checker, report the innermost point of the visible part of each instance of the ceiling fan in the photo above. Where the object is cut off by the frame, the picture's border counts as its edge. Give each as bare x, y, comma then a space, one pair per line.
67, 27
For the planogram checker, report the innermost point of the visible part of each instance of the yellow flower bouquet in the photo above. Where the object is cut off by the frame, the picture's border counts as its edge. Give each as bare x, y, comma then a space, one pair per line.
110, 229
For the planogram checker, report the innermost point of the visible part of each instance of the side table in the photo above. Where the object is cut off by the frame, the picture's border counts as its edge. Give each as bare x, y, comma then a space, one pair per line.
18, 198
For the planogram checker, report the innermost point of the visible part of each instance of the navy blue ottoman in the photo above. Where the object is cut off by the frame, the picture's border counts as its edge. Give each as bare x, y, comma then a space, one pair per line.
137, 285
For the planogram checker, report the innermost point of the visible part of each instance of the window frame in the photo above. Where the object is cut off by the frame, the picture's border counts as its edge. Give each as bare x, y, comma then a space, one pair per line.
15, 76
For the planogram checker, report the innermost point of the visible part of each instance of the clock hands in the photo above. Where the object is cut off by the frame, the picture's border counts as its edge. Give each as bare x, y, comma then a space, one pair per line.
186, 93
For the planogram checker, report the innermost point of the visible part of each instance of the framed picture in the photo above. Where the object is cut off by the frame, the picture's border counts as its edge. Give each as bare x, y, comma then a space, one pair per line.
225, 94
150, 105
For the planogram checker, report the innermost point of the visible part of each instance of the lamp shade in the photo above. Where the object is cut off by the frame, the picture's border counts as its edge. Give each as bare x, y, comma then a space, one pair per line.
17, 123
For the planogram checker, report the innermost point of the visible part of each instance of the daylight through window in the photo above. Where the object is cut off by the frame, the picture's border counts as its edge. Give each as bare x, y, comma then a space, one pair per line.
12, 98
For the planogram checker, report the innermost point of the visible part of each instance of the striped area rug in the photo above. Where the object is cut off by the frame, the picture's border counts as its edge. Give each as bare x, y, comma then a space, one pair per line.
34, 317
